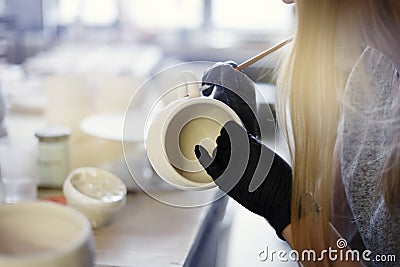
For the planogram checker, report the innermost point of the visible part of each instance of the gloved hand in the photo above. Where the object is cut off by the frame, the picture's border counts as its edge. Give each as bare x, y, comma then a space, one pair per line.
250, 173
235, 89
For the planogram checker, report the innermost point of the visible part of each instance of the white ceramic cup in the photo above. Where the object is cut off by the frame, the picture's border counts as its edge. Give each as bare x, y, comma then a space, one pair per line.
44, 234
96, 193
173, 132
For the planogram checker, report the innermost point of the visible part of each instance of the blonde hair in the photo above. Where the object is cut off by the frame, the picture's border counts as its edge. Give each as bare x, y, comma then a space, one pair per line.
310, 84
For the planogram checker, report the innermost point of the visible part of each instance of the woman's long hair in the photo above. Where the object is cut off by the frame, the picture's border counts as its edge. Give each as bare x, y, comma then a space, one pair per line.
310, 84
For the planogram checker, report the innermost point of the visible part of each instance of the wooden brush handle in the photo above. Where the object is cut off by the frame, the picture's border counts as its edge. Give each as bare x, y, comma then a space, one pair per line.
262, 54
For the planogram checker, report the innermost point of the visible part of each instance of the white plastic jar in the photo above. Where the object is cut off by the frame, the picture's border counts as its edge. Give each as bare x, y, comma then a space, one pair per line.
53, 156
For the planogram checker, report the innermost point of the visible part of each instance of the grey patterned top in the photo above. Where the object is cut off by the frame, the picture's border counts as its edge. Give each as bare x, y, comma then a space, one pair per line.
370, 115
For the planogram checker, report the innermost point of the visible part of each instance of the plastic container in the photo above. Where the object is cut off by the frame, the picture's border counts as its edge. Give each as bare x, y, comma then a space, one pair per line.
20, 189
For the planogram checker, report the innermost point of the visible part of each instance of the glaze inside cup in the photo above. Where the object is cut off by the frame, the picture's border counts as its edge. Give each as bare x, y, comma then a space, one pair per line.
199, 123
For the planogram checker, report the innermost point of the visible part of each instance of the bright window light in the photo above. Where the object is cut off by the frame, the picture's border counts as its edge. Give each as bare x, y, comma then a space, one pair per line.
166, 13
99, 12
68, 11
264, 15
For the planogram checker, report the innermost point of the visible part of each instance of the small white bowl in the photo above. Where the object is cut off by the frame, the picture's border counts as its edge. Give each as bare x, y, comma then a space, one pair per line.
96, 193
44, 234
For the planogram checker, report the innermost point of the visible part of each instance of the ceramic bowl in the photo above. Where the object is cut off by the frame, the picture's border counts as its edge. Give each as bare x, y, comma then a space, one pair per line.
44, 234
172, 133
96, 193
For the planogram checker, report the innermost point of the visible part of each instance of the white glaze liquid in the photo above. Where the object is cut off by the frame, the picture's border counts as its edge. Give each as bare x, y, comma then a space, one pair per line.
98, 187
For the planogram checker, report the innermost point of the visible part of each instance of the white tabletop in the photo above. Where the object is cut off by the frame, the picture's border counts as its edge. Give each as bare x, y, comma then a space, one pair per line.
149, 233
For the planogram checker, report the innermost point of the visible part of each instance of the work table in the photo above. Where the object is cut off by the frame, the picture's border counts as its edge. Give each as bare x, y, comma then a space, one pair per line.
149, 233
146, 232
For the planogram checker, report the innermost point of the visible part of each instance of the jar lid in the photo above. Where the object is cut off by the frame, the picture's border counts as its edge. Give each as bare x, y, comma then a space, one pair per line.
53, 134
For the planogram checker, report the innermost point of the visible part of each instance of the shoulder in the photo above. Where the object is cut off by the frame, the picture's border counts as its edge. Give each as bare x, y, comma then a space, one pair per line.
373, 79
374, 68
372, 59
371, 101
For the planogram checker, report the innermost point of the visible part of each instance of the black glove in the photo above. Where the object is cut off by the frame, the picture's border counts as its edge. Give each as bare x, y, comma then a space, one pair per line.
236, 90
250, 173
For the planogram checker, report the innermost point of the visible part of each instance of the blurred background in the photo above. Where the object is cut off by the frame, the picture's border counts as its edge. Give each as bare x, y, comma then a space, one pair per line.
69, 59
77, 63
208, 29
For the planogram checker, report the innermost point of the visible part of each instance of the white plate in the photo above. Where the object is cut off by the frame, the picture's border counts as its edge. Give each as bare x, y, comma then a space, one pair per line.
111, 126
